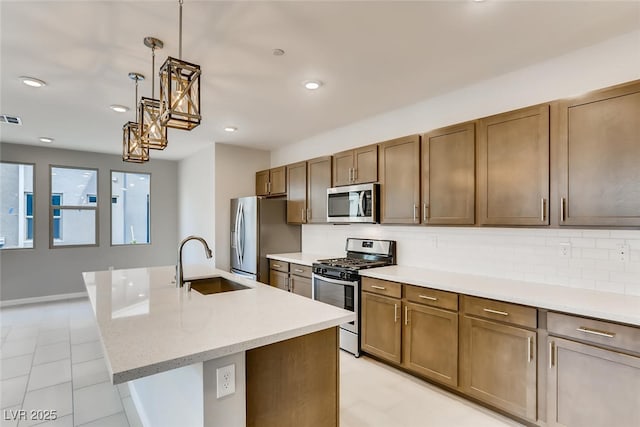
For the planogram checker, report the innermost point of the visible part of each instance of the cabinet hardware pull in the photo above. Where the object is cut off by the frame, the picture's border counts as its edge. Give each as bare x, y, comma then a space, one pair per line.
301, 214
298, 270
425, 212
355, 174
395, 313
596, 332
543, 203
269, 188
288, 284
350, 174
308, 214
406, 315
428, 297
415, 214
502, 313
561, 209
277, 265
382, 288
266, 187
529, 342
551, 354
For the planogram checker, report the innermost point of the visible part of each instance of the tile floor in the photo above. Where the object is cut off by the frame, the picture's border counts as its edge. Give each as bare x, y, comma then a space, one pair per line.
51, 359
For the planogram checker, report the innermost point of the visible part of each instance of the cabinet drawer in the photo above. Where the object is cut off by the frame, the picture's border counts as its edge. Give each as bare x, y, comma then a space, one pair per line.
595, 331
274, 264
300, 270
432, 297
499, 310
382, 287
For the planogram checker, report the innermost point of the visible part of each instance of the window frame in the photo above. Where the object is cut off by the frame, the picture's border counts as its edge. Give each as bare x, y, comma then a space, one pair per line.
33, 191
52, 208
111, 209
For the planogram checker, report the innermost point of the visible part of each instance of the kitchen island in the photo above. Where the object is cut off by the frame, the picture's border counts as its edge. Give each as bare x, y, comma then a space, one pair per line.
168, 344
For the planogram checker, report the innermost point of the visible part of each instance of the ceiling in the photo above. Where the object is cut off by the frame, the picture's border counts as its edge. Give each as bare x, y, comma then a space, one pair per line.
373, 57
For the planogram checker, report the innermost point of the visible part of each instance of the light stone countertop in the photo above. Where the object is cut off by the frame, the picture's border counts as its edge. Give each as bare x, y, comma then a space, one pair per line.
147, 325
302, 258
585, 302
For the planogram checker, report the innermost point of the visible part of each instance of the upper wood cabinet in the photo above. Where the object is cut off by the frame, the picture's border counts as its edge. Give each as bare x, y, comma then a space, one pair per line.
399, 169
513, 168
297, 193
356, 166
271, 182
448, 175
597, 141
318, 180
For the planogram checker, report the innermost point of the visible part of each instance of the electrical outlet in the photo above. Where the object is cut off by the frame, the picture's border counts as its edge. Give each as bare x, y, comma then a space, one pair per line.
565, 250
226, 380
622, 252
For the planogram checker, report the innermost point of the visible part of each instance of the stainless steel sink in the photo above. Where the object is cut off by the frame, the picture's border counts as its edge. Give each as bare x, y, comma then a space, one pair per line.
215, 285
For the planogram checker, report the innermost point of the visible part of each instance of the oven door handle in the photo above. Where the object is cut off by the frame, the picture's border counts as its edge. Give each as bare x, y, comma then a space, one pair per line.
334, 281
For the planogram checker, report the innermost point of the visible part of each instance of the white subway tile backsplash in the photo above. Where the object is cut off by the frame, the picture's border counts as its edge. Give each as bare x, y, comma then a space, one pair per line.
523, 254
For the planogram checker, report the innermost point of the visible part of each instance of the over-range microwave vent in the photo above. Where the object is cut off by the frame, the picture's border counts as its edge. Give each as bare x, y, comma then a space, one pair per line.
10, 120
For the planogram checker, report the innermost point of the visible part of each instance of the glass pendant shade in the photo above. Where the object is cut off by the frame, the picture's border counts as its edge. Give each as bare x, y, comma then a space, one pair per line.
133, 150
152, 133
180, 94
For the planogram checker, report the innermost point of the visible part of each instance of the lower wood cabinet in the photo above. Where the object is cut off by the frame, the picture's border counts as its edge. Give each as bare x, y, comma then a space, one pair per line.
294, 278
591, 381
590, 386
498, 365
381, 326
430, 342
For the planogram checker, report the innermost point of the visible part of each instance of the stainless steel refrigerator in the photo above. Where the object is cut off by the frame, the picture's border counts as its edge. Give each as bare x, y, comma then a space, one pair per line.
259, 227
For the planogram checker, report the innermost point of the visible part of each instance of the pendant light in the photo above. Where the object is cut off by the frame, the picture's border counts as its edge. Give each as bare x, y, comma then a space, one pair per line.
180, 90
133, 150
152, 133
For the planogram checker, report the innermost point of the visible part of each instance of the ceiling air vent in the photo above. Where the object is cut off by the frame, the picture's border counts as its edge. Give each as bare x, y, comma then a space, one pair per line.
11, 120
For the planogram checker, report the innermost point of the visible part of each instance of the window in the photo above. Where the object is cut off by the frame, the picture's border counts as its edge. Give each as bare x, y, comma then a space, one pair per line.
74, 207
16, 205
130, 208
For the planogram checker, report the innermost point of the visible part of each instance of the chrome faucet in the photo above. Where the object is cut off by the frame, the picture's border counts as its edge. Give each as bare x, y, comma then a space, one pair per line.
207, 252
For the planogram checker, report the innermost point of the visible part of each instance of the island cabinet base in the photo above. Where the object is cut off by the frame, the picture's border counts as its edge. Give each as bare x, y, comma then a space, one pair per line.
294, 382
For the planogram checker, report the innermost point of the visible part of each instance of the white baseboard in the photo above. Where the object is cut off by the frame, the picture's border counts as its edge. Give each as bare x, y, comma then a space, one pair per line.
48, 298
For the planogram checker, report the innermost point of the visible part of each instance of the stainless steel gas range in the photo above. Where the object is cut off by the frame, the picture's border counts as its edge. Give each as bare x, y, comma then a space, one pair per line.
337, 282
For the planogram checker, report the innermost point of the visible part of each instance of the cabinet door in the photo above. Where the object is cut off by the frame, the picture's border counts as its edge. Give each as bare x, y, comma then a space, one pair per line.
279, 279
301, 286
513, 168
598, 151
343, 168
498, 365
381, 326
278, 180
365, 163
318, 180
448, 175
262, 183
430, 341
297, 193
589, 386
400, 180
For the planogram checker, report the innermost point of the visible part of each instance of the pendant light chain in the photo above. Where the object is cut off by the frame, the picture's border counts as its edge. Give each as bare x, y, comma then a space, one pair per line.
136, 100
180, 31
153, 71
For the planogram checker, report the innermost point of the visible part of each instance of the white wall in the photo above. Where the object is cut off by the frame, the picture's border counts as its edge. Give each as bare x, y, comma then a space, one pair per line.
235, 169
196, 203
529, 254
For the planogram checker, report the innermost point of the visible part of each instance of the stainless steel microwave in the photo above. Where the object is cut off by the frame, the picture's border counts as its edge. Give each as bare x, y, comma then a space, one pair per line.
353, 203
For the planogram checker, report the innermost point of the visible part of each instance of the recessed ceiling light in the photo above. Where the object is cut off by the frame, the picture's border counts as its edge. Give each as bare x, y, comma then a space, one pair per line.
32, 81
230, 129
312, 84
119, 108
46, 139
278, 52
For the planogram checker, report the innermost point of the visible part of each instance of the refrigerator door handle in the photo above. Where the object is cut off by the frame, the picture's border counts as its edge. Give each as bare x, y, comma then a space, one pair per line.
237, 233
241, 234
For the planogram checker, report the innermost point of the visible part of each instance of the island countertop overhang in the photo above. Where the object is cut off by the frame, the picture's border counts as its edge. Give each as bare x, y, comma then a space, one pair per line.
147, 325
